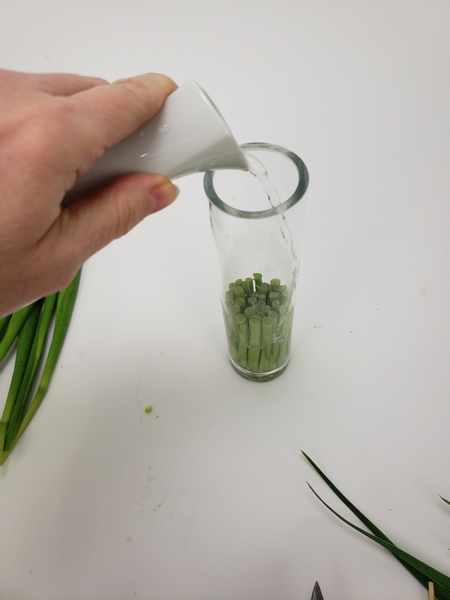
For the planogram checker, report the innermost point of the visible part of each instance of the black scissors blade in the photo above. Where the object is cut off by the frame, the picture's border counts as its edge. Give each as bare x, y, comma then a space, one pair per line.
316, 593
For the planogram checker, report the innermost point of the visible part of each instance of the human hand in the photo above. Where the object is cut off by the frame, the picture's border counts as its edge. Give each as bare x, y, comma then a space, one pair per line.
53, 128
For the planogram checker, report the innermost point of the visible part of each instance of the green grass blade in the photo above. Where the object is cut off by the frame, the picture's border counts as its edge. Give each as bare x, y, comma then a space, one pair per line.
382, 539
351, 506
64, 310
423, 572
14, 326
24, 345
31, 370
19, 404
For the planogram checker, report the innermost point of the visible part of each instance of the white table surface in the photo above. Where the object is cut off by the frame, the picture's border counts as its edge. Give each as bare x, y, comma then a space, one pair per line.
205, 497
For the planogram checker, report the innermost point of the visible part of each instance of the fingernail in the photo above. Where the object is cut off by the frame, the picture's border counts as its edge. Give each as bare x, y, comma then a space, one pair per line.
162, 196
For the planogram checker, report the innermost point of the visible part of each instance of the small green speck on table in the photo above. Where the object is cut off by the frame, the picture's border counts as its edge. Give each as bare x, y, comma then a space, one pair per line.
148, 409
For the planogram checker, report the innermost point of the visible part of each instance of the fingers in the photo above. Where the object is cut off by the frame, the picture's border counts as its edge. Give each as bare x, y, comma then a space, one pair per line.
88, 225
117, 110
55, 84
64, 84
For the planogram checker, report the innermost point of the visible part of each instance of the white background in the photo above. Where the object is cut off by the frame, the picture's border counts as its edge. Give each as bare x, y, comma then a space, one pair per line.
205, 497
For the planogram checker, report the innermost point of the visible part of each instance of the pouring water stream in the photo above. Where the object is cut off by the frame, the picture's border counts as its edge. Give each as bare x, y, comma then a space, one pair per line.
258, 170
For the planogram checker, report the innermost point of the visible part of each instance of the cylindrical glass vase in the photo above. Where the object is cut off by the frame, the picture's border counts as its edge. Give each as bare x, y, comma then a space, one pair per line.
257, 222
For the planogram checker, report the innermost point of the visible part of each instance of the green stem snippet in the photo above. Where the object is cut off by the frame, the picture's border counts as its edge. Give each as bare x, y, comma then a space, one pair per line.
266, 343
255, 343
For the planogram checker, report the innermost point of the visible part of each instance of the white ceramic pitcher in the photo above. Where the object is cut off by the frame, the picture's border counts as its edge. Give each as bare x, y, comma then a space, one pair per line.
188, 135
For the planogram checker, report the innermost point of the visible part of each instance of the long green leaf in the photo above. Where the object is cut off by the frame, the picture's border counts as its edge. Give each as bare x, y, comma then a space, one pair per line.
14, 326
442, 582
31, 370
64, 310
421, 571
24, 344
351, 506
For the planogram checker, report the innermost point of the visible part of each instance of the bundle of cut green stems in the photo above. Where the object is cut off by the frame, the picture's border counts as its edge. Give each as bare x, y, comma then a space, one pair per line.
26, 332
258, 321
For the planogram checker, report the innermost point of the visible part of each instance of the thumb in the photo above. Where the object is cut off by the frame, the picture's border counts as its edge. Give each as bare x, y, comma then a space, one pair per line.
91, 223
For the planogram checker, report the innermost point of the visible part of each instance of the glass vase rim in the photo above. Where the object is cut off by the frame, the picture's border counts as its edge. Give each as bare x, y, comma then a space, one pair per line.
295, 197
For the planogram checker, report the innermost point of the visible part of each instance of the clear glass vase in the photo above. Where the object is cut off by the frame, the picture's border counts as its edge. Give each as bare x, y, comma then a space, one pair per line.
257, 221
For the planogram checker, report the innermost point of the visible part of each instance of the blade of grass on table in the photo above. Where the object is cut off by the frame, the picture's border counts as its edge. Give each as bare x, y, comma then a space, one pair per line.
64, 310
34, 360
24, 344
421, 571
14, 326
